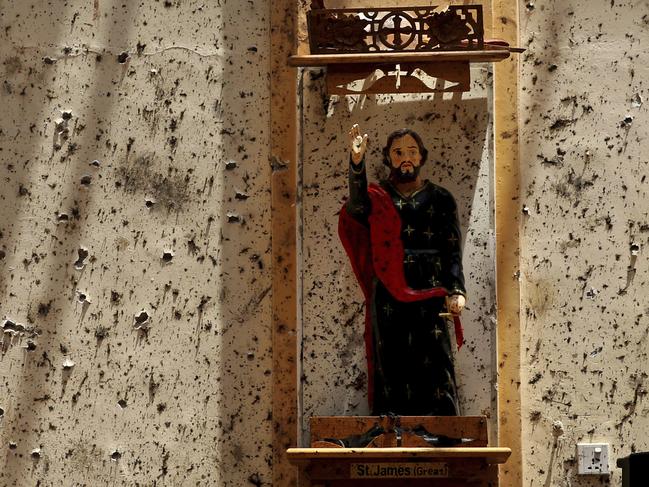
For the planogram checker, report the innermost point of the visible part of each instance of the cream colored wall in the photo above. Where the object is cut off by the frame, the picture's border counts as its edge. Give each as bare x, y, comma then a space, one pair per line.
584, 165
183, 125
180, 133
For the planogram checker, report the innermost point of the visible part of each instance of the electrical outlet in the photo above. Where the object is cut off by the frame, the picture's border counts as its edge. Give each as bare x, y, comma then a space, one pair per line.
592, 458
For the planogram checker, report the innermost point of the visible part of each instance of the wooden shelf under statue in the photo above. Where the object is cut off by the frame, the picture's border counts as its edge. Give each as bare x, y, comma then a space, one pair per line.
398, 49
399, 451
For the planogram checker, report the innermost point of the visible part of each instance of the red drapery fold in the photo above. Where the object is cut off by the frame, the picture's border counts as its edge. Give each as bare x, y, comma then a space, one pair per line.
378, 252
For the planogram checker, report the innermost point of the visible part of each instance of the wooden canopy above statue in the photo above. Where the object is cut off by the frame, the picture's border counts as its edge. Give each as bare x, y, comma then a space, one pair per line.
398, 49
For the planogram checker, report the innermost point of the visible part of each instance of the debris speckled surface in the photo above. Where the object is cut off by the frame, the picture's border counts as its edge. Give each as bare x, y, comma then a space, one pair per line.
129, 132
584, 167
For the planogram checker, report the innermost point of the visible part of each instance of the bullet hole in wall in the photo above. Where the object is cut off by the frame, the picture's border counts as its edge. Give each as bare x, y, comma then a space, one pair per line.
82, 297
167, 256
86, 179
2, 412
233, 218
115, 456
241, 196
30, 346
122, 403
13, 445
36, 453
149, 203
62, 217
66, 115
115, 297
123, 57
68, 363
592, 293
142, 320
2, 254
8, 325
230, 165
635, 249
255, 480
95, 163
81, 261
49, 60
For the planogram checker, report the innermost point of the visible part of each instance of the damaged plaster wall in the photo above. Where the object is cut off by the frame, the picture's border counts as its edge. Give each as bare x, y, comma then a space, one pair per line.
457, 131
134, 243
585, 235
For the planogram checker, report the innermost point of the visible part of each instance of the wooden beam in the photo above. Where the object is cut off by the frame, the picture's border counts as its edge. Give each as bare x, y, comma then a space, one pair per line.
489, 454
487, 55
283, 153
508, 210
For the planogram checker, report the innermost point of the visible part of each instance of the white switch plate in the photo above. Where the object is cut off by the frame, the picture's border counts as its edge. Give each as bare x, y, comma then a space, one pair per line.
592, 458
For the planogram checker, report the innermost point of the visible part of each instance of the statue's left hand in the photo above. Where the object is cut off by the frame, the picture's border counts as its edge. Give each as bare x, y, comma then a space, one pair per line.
456, 303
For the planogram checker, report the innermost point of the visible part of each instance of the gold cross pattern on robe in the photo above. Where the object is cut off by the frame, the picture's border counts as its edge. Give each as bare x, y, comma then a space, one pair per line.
428, 233
409, 230
399, 203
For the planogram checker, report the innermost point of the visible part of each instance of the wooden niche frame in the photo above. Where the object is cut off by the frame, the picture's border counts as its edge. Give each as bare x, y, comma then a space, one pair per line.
418, 49
284, 136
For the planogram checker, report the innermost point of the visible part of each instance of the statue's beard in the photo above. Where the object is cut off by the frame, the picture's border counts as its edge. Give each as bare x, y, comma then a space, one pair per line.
402, 175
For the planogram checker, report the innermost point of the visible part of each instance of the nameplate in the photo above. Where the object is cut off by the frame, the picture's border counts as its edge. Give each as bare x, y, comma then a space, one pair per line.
398, 470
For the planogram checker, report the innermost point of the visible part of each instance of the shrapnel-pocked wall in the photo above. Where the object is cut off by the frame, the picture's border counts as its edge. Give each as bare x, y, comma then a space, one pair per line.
134, 243
584, 239
135, 232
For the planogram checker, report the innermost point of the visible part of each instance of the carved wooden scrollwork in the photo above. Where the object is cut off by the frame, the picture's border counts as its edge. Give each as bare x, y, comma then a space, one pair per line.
340, 31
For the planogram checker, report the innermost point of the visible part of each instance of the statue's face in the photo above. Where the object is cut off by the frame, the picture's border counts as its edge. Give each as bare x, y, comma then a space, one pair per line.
405, 157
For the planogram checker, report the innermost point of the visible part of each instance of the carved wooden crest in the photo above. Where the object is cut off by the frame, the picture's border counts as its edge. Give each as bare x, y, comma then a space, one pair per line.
403, 29
398, 49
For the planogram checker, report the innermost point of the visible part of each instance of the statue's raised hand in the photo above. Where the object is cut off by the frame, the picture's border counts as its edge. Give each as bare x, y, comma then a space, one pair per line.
357, 144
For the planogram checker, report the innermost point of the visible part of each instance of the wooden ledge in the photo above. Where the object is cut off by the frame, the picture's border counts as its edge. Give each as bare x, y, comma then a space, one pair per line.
484, 56
492, 455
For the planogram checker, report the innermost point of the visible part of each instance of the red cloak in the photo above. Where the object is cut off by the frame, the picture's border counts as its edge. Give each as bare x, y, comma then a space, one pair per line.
377, 252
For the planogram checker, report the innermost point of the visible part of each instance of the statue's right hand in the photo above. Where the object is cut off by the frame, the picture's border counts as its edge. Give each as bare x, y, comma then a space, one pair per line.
358, 144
